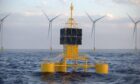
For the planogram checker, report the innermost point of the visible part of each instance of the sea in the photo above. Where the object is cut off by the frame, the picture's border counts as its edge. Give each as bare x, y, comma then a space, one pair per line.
23, 67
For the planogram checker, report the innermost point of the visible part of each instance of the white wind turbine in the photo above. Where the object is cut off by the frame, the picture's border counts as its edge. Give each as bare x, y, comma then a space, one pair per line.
50, 28
1, 31
93, 28
134, 30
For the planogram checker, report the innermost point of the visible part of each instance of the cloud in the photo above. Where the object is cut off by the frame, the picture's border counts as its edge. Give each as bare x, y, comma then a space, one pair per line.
133, 2
130, 2
110, 16
63, 1
30, 13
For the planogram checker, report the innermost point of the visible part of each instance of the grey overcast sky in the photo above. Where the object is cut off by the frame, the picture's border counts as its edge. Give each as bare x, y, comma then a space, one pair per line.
27, 27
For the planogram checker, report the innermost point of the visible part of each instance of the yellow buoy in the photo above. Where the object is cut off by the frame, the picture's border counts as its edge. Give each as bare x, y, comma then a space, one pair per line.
71, 38
48, 67
101, 68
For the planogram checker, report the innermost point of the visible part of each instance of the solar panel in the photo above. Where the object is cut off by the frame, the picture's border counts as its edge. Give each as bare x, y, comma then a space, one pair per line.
71, 36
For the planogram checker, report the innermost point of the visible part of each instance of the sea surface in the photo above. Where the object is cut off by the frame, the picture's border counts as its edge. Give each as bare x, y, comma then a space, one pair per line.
23, 67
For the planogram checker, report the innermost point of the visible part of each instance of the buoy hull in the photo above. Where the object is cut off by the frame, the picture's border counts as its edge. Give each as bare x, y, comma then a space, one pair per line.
48, 67
101, 68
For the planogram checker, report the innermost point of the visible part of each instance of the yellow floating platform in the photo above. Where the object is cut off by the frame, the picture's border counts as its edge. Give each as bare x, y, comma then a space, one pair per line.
100, 68
70, 41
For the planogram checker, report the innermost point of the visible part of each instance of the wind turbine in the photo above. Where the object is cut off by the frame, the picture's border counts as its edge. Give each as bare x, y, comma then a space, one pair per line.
50, 28
1, 30
134, 30
93, 28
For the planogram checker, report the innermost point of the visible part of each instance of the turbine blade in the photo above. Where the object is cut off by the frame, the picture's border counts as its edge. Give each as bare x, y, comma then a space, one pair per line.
0, 26
99, 19
45, 15
134, 32
138, 21
4, 17
55, 18
92, 30
49, 29
131, 18
89, 17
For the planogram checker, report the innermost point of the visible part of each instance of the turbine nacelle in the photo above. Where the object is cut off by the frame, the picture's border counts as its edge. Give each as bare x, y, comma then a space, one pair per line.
50, 21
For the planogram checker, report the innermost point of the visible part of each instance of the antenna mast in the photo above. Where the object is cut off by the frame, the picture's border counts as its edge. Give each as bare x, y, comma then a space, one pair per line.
71, 22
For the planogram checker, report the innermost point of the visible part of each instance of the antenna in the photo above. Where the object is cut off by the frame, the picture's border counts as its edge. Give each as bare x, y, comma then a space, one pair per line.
93, 28
1, 30
50, 28
134, 30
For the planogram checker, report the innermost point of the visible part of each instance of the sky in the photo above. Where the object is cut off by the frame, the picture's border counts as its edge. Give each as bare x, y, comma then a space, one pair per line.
27, 27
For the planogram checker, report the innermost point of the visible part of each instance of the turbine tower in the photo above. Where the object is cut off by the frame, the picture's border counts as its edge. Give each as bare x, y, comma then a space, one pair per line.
134, 30
1, 31
50, 28
93, 28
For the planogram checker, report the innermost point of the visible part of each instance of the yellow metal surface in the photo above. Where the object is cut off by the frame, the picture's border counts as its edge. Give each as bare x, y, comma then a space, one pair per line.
101, 68
70, 51
48, 67
61, 67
